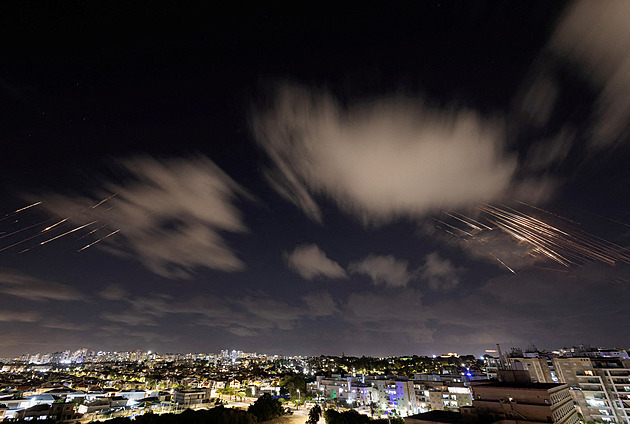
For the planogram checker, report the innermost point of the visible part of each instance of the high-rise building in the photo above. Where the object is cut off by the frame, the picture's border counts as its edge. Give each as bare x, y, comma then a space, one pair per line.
538, 368
601, 386
599, 381
516, 402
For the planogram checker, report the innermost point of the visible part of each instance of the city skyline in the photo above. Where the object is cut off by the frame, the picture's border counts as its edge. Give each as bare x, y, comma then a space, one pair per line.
80, 354
395, 180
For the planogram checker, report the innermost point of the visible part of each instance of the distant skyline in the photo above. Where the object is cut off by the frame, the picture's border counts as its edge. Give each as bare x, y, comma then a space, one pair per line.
403, 179
491, 350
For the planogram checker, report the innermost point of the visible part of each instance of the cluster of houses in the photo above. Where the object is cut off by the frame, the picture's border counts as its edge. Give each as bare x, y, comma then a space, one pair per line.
63, 403
67, 401
395, 395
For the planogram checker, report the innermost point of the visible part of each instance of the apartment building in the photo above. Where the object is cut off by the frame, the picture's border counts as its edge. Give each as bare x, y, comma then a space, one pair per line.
599, 381
521, 402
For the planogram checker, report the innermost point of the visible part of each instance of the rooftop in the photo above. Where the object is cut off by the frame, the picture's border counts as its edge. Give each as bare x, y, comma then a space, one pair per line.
519, 385
438, 416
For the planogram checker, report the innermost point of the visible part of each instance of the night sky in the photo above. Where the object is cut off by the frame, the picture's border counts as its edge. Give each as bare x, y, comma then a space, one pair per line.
409, 178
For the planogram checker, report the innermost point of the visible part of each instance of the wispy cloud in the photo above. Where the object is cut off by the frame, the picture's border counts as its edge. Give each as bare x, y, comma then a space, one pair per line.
170, 215
16, 283
510, 308
113, 292
18, 316
381, 160
390, 317
386, 270
133, 318
242, 315
321, 304
311, 262
64, 325
597, 35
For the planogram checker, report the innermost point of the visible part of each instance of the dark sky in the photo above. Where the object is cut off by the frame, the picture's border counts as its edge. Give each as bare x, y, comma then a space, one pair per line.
382, 180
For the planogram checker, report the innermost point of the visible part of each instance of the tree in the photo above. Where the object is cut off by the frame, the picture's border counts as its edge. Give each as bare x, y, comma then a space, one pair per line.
347, 417
314, 414
266, 408
331, 416
292, 384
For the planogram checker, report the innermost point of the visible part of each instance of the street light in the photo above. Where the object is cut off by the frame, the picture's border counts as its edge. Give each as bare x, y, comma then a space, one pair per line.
299, 399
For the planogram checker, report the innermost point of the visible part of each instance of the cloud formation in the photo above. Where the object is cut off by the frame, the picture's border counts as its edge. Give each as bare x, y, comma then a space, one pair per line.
576, 304
15, 283
440, 273
598, 36
170, 215
113, 292
386, 159
243, 316
310, 262
390, 317
18, 316
321, 304
386, 270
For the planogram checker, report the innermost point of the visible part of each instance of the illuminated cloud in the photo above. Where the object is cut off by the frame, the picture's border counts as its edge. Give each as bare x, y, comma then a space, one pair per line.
386, 270
113, 292
246, 315
380, 160
310, 262
170, 215
500, 249
132, 318
597, 35
15, 283
64, 325
268, 313
321, 304
18, 316
510, 308
440, 272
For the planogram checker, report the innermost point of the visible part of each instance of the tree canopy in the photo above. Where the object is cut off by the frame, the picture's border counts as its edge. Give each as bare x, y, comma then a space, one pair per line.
218, 415
266, 408
314, 414
353, 417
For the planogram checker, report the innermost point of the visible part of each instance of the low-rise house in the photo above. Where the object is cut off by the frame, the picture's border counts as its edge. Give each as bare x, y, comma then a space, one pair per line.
191, 397
94, 406
62, 411
33, 413
118, 401
132, 395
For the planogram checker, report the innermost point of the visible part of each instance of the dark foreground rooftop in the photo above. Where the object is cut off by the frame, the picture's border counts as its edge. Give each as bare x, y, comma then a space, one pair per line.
437, 417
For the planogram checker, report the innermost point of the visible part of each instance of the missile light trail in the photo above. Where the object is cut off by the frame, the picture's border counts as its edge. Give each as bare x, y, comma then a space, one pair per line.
67, 232
566, 245
97, 241
9, 215
56, 225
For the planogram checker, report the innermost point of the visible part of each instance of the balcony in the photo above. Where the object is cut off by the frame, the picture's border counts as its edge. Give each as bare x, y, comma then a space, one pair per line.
592, 389
596, 403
